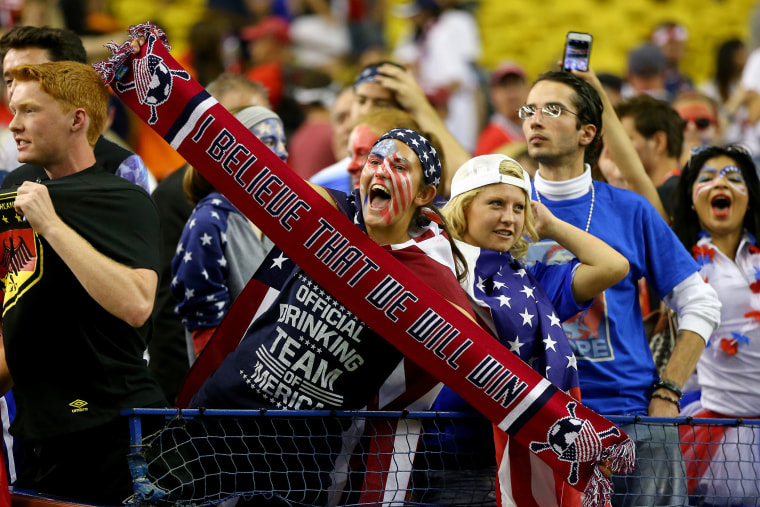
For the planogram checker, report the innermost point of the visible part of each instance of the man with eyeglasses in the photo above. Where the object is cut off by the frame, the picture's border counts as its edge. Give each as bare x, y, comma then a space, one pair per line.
562, 122
657, 133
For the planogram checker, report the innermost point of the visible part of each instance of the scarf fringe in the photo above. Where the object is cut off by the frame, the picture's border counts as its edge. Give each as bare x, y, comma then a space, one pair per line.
108, 68
621, 459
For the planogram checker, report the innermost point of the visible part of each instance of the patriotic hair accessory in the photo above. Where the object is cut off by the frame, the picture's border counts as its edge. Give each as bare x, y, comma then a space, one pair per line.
431, 164
484, 170
368, 75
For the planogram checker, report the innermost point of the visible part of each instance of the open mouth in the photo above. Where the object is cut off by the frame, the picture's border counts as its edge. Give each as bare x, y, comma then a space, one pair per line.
721, 205
379, 196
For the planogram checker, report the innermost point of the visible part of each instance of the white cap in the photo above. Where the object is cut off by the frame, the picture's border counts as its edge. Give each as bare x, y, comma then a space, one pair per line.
484, 170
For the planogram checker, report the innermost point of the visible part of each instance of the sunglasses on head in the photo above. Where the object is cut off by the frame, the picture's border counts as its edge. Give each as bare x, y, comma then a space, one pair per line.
730, 148
701, 122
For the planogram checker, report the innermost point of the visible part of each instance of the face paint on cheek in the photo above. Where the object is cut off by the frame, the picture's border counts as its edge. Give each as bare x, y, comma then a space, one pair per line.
398, 184
701, 187
740, 187
401, 186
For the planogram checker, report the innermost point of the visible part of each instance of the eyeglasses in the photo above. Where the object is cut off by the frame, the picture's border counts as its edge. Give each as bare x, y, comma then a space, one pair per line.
549, 110
701, 123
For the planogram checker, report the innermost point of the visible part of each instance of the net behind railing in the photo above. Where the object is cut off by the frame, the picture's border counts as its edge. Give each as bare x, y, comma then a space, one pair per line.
367, 458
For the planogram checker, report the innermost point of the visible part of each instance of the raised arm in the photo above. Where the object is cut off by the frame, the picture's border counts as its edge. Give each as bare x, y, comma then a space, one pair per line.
411, 97
601, 265
125, 292
621, 149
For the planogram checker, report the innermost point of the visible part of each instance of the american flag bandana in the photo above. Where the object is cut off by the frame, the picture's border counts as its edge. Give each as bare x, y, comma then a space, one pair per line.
381, 292
522, 315
431, 164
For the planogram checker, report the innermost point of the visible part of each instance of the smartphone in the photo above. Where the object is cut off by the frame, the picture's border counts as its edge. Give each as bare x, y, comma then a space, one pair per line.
577, 51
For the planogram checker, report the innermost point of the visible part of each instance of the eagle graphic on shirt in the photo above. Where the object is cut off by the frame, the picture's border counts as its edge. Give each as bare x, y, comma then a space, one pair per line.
20, 266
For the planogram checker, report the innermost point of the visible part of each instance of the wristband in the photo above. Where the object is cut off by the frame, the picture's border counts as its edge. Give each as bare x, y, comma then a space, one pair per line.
670, 386
666, 398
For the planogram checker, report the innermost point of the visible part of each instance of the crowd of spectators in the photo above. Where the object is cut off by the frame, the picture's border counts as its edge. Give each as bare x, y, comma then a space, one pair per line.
323, 76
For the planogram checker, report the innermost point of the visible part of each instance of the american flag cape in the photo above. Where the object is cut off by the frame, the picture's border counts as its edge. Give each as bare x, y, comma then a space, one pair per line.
380, 291
514, 306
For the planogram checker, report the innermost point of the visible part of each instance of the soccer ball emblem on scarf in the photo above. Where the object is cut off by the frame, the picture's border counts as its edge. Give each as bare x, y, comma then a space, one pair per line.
574, 440
153, 81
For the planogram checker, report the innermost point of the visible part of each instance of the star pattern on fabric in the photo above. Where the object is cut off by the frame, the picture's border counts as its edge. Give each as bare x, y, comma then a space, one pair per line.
428, 157
277, 263
528, 291
527, 318
515, 345
504, 301
549, 343
529, 326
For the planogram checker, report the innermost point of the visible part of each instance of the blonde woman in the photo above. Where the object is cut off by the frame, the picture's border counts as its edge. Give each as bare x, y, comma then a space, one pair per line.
491, 218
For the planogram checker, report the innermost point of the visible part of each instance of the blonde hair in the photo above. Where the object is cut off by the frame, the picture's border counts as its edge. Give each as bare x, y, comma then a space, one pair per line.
455, 209
72, 85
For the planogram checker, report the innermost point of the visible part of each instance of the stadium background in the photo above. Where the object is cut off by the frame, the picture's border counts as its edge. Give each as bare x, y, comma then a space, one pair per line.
532, 32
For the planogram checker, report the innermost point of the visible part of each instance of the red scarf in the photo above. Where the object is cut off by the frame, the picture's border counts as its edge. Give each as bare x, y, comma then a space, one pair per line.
421, 324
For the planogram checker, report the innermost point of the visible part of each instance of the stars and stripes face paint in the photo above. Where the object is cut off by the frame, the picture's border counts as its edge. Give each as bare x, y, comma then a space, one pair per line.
708, 178
720, 196
390, 190
431, 164
271, 133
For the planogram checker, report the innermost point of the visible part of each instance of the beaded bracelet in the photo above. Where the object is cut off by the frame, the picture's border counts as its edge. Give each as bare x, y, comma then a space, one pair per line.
666, 398
670, 386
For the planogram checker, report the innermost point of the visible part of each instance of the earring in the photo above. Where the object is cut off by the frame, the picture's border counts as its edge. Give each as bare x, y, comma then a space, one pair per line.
693, 208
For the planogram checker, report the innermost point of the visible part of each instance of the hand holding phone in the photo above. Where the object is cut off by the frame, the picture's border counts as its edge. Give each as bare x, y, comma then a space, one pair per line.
577, 51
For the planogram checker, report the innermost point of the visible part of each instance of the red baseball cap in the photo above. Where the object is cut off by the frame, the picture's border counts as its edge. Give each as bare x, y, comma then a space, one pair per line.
506, 68
272, 26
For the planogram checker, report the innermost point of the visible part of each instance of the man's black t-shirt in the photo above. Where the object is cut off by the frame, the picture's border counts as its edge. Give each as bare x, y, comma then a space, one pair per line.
74, 365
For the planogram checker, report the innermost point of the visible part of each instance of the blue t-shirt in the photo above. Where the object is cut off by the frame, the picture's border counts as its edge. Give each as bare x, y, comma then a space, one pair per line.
614, 360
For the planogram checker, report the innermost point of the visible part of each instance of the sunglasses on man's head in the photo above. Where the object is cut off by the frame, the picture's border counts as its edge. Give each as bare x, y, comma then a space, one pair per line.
701, 122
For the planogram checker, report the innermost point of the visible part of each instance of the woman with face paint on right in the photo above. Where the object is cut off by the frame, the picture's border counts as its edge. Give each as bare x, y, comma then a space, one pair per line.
717, 218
